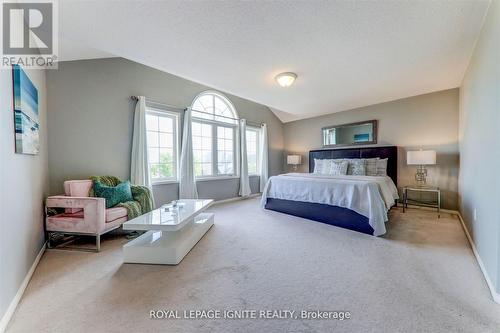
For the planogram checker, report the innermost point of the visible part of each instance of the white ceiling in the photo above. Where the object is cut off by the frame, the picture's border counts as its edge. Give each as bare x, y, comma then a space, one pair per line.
347, 54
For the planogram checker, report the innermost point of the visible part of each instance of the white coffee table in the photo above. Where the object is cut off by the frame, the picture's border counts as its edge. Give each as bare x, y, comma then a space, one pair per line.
171, 233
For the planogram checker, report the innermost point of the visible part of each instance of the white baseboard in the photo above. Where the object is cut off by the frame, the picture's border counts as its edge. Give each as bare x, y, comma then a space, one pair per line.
253, 195
15, 301
494, 294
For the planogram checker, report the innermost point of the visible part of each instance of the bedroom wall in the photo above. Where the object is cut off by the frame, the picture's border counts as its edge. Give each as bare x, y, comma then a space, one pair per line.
24, 180
427, 121
91, 120
480, 148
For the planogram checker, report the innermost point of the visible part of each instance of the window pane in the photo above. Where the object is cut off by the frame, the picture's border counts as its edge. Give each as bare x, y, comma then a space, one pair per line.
229, 156
220, 132
197, 156
206, 130
196, 142
161, 131
220, 144
225, 168
166, 140
197, 169
152, 138
153, 155
196, 128
165, 170
206, 169
207, 102
154, 170
166, 155
252, 168
166, 124
206, 143
151, 122
206, 156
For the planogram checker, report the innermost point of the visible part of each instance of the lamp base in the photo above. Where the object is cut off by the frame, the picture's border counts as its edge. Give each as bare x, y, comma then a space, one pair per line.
421, 175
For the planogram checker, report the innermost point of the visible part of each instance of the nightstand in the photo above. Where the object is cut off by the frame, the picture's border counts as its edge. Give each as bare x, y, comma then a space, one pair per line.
422, 189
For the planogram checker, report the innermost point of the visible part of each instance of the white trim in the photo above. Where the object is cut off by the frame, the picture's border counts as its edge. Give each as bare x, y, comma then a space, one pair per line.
253, 195
209, 178
15, 301
494, 294
164, 182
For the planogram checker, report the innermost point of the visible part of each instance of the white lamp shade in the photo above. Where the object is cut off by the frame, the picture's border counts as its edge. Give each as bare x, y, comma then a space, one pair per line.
421, 157
293, 159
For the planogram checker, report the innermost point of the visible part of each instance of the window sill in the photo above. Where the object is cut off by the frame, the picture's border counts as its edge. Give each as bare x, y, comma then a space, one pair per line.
164, 182
205, 179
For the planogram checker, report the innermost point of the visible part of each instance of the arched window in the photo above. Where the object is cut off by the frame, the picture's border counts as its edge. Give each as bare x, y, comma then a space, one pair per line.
214, 135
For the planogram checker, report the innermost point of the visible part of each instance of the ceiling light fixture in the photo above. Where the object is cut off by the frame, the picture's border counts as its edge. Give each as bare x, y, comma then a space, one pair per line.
286, 79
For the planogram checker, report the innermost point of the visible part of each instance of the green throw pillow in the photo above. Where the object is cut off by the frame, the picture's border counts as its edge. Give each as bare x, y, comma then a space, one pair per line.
113, 194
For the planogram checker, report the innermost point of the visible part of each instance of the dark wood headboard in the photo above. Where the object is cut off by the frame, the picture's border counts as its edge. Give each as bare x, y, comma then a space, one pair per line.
389, 152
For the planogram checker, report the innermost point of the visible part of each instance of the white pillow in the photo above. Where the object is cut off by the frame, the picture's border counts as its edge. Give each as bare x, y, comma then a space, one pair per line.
371, 166
382, 167
323, 166
338, 168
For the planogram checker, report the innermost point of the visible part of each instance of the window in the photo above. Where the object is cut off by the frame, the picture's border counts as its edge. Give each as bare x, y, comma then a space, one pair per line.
253, 150
162, 144
214, 135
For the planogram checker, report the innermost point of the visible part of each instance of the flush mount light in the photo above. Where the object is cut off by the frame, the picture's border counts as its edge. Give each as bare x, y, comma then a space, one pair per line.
286, 79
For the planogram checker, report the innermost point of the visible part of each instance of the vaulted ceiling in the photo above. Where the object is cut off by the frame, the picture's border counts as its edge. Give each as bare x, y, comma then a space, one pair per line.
346, 54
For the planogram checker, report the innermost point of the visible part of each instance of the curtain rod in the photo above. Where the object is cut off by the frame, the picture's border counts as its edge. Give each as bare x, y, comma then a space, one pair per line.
135, 98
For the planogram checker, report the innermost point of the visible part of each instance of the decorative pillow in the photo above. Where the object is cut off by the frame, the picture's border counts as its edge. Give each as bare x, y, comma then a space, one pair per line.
356, 167
371, 166
324, 166
382, 167
338, 168
113, 195
319, 166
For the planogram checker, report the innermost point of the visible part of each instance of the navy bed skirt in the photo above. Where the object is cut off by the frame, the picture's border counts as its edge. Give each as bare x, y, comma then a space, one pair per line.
337, 216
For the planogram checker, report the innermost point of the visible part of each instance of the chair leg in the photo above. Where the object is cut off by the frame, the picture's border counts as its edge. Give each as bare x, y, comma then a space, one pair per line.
98, 242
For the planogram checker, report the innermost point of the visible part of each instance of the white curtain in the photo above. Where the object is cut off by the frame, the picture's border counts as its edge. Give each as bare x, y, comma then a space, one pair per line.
187, 181
264, 149
245, 190
139, 167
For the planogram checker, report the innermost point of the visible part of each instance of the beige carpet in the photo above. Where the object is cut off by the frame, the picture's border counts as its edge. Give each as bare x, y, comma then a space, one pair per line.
421, 277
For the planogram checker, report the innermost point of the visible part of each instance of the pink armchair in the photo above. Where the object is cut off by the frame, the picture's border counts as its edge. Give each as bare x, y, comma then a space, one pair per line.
83, 215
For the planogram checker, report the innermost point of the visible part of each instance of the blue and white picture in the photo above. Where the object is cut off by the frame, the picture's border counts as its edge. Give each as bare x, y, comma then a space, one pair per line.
361, 137
25, 113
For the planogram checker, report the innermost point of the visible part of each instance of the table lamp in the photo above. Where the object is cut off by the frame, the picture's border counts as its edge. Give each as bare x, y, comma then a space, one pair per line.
421, 158
294, 160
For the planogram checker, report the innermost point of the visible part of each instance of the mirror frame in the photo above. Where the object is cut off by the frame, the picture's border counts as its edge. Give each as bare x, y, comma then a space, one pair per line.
374, 123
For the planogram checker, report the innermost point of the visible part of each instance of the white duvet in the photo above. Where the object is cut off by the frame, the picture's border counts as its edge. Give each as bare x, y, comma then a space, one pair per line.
370, 196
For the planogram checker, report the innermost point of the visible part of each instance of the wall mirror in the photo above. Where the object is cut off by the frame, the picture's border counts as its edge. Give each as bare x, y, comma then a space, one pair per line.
360, 133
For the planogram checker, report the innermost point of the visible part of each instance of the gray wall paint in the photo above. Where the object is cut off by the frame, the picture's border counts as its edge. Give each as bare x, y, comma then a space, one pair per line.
479, 145
91, 120
429, 121
24, 180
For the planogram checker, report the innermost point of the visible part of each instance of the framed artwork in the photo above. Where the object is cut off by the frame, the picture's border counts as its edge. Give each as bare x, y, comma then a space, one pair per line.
26, 121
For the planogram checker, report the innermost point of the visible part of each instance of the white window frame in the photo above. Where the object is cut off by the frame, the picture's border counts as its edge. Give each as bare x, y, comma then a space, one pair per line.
214, 124
176, 141
257, 131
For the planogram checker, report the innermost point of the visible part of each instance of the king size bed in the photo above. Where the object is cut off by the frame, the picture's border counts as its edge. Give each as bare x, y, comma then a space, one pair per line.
351, 200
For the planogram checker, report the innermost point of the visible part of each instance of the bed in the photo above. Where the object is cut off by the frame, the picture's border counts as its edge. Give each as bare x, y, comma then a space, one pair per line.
358, 203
